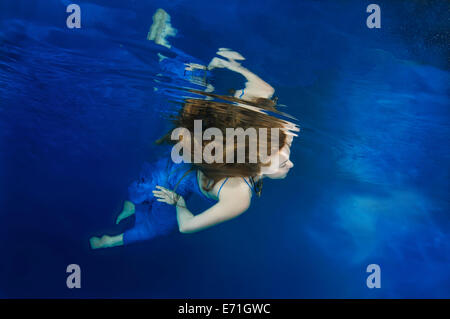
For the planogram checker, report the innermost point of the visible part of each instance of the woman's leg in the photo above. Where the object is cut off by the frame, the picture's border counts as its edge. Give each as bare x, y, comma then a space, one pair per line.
106, 241
152, 220
128, 210
111, 241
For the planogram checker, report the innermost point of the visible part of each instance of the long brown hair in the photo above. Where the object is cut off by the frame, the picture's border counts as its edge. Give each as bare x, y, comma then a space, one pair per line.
223, 115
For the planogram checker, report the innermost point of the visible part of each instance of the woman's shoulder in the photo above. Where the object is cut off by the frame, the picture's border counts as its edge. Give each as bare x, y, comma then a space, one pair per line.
235, 195
238, 187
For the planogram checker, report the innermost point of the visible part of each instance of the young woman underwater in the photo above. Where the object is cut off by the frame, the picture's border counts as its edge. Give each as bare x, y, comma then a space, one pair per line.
158, 199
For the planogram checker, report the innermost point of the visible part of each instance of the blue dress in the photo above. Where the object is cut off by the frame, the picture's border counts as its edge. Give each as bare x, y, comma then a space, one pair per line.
154, 218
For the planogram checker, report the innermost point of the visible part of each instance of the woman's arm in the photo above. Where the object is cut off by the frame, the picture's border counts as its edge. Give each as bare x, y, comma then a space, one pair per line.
255, 87
233, 201
228, 207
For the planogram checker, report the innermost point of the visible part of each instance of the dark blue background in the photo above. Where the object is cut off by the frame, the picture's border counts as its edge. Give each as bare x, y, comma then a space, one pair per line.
78, 117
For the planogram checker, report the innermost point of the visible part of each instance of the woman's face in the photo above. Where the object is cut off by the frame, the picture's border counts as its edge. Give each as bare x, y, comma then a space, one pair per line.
280, 162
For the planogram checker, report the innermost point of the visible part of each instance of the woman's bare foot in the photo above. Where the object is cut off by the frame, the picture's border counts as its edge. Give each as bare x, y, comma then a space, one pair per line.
106, 241
128, 210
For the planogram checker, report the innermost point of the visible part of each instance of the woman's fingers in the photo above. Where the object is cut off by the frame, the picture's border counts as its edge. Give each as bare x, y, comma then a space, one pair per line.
164, 200
162, 188
159, 195
165, 195
166, 192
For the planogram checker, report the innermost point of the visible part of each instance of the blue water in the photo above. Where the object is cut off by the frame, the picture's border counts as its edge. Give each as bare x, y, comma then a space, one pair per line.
78, 117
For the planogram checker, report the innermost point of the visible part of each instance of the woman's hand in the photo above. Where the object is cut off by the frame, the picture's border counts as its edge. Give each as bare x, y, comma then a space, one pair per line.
167, 196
